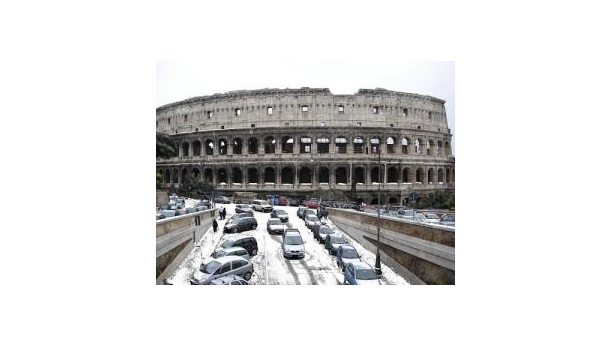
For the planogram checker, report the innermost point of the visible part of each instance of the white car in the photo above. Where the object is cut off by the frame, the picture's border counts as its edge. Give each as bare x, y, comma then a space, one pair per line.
429, 217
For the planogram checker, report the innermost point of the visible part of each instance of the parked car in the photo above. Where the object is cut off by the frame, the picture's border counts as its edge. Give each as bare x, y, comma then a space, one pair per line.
294, 202
242, 208
240, 215
332, 243
248, 243
360, 273
431, 218
204, 203
311, 203
321, 231
293, 245
345, 255
311, 221
167, 213
222, 200
241, 224
309, 211
274, 225
224, 266
229, 280
448, 219
261, 206
406, 214
237, 251
300, 211
280, 214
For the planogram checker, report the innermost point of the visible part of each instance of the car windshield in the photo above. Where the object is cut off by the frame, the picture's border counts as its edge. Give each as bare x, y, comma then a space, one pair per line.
350, 254
275, 221
293, 240
210, 267
449, 218
326, 230
280, 212
365, 274
432, 216
312, 218
227, 243
338, 239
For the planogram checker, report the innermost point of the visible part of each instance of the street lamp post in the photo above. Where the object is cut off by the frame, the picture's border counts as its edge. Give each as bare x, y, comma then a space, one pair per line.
377, 257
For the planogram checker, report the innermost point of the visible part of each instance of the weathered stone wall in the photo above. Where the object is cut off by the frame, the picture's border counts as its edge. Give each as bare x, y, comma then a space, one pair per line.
176, 237
421, 253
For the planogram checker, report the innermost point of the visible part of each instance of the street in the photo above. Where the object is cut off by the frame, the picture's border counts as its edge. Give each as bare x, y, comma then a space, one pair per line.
270, 267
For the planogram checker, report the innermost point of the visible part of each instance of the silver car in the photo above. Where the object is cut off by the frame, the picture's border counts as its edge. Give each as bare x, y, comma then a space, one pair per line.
224, 266
229, 280
274, 225
293, 245
237, 251
311, 221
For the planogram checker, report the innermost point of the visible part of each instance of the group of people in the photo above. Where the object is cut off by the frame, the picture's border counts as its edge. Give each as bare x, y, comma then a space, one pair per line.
222, 213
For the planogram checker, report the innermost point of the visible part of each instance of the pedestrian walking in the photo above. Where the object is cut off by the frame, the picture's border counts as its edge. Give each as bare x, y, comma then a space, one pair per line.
215, 225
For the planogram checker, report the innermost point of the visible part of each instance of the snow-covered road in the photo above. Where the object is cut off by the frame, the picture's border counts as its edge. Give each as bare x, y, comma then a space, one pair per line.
270, 267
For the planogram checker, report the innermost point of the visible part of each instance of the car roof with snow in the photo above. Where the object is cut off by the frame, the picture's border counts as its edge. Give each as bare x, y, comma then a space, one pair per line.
232, 249
225, 259
360, 265
228, 279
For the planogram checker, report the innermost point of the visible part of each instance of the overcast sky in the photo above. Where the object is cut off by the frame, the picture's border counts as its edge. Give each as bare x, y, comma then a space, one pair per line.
177, 81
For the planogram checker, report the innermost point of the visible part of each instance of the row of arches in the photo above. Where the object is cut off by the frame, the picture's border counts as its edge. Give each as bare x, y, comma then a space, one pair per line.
307, 144
310, 175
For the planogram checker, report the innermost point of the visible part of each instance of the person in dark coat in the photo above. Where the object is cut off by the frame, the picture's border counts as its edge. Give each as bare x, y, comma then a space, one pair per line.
215, 225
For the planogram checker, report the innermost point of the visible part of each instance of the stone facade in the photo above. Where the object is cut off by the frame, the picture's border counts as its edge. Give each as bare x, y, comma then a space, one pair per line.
297, 141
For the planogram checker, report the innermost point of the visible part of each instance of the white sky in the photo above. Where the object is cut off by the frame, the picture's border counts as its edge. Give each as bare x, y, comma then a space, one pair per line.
177, 81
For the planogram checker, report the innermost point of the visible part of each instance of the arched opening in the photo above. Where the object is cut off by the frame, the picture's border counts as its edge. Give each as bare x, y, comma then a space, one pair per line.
453, 175
237, 176
222, 175
196, 148
195, 173
183, 176
252, 175
392, 175
323, 144
429, 144
441, 175
416, 145
305, 175
419, 175
305, 145
287, 176
287, 144
168, 176
185, 149
208, 175
175, 176
269, 144
253, 146
374, 145
358, 145
341, 175
209, 147
405, 146
341, 145
359, 175
431, 176
222, 146
447, 149
390, 144
393, 200
237, 146
375, 175
448, 174
439, 148
269, 176
323, 175
375, 201
406, 175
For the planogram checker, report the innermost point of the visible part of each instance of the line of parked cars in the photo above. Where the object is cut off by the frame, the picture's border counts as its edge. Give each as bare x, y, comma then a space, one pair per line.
355, 271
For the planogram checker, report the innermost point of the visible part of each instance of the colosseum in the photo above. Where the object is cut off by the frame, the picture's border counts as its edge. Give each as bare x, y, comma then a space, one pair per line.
299, 142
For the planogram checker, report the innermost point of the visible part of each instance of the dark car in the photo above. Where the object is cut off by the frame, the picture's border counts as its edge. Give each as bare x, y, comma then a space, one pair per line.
248, 243
242, 208
281, 214
240, 215
333, 242
300, 211
241, 224
345, 255
321, 231
222, 200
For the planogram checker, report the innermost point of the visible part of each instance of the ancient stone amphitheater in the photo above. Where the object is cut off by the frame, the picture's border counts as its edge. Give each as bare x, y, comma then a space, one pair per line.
302, 142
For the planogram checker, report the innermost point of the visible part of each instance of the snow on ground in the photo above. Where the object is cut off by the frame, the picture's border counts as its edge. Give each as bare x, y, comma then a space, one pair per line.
270, 267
